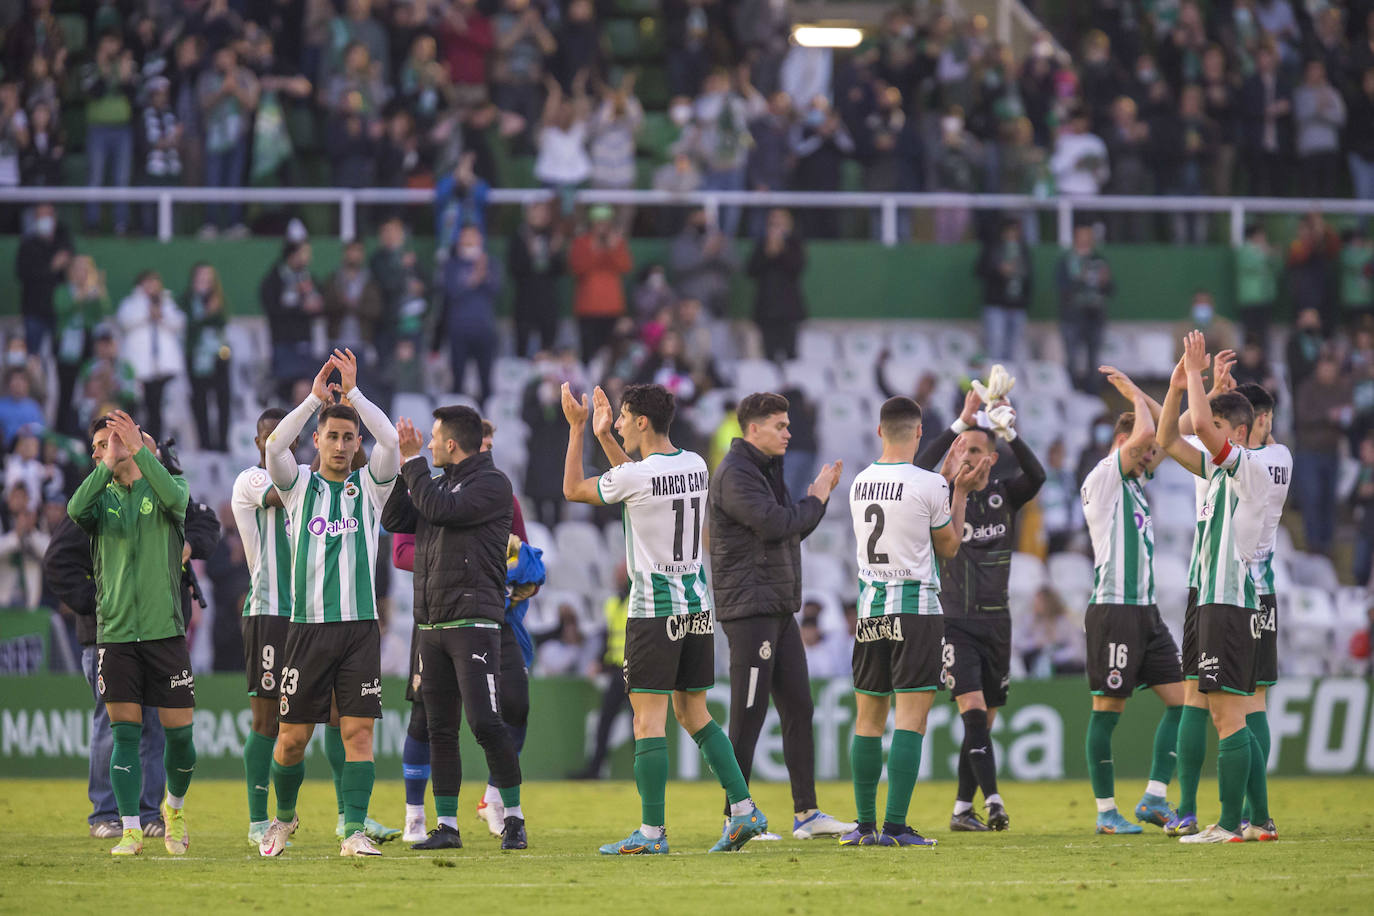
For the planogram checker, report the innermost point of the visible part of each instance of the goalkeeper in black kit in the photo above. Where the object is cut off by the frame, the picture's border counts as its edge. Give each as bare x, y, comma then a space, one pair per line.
973, 586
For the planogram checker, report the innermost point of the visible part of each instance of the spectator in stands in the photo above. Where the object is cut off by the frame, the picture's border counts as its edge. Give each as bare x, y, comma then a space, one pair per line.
42, 156
353, 303
522, 42
599, 261
1025, 170
18, 408
1318, 116
690, 321
1266, 123
1312, 257
80, 305
776, 265
358, 87
1219, 331
688, 30
356, 27
21, 551
668, 366
1361, 500
424, 86
471, 284
820, 143
719, 140
106, 382
825, 654
1004, 265
568, 652
1359, 139
466, 37
579, 45
1357, 278
1080, 162
25, 469
562, 163
1305, 345
1322, 410
1220, 101
159, 144
41, 264
228, 95
611, 132
1193, 139
1131, 151
1052, 643
400, 160
800, 467
680, 175
536, 259
542, 412
1085, 285
956, 172
207, 355
892, 152
1101, 77
292, 303
653, 294
1060, 509
703, 264
770, 157
154, 332
108, 83
1253, 366
17, 355
188, 62
354, 148
393, 265
1257, 277
460, 199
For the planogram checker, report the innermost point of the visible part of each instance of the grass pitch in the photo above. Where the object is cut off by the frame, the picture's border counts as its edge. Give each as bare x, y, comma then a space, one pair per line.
1050, 861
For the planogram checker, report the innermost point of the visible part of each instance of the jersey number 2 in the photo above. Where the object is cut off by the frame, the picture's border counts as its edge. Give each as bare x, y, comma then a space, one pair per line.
874, 514
680, 511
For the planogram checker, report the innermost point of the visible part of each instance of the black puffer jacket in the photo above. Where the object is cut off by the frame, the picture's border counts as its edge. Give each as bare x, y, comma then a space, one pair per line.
756, 535
461, 521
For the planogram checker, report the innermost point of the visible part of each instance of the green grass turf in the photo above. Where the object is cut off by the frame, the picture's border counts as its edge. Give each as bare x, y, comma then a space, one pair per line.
1050, 861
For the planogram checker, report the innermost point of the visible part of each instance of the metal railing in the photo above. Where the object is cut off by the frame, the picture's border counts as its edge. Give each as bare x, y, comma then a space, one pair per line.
886, 206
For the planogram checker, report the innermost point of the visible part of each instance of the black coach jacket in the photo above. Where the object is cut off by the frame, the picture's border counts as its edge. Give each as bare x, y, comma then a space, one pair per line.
461, 521
756, 535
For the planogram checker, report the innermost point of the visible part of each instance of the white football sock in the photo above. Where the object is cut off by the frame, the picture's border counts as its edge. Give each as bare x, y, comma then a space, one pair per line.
742, 807
1155, 787
652, 833
415, 811
449, 822
175, 801
515, 812
492, 796
1106, 804
131, 823
961, 807
993, 799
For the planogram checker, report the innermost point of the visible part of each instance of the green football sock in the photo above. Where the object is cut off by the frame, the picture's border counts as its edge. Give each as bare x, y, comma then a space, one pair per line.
1192, 748
126, 772
358, 776
179, 758
1233, 776
1098, 748
510, 796
866, 763
257, 770
903, 763
286, 783
720, 757
651, 778
446, 805
334, 750
1256, 809
1166, 745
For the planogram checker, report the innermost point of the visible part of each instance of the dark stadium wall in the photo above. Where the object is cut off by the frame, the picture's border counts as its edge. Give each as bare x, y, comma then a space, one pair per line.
843, 279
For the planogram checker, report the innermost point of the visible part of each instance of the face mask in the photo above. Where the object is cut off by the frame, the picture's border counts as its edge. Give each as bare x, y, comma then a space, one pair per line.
16, 358
1102, 434
815, 117
1043, 49
680, 114
45, 225
907, 32
952, 125
1146, 76
470, 252
656, 281
1202, 312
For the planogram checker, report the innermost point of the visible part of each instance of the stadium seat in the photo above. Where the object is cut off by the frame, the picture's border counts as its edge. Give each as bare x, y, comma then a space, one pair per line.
573, 572
811, 378
862, 345
509, 375
451, 398
1027, 572
541, 537
1070, 572
709, 409
504, 409
856, 377
581, 540
418, 408
835, 538
956, 345
1314, 570
824, 572
542, 616
816, 345
614, 533
757, 375
913, 347
1044, 377
657, 136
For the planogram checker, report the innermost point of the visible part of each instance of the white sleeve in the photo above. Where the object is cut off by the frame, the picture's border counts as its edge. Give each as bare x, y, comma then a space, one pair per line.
1249, 473
937, 497
250, 488
1105, 477
281, 464
385, 462
621, 484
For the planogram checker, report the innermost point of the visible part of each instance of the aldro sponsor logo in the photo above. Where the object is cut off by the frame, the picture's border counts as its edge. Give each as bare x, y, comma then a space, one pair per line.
680, 626
321, 527
983, 532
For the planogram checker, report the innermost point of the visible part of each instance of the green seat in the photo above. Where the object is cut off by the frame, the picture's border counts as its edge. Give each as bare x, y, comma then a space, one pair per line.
73, 26
657, 136
302, 126
652, 88
637, 7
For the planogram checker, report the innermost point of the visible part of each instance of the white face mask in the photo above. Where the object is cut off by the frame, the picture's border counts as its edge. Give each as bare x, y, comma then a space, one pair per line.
952, 125
470, 252
45, 225
681, 114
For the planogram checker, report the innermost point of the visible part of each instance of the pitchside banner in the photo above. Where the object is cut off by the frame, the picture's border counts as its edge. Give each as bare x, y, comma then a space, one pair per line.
1319, 726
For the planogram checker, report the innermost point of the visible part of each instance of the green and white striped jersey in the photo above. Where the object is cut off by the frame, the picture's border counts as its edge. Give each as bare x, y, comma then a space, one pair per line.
1200, 485
334, 529
1122, 532
1231, 523
664, 499
895, 507
263, 529
1278, 461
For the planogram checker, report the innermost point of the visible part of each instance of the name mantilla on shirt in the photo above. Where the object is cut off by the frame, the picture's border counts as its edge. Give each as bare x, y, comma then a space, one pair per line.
879, 490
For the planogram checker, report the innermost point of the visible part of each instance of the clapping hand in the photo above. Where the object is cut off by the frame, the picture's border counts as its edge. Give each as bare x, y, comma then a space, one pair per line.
410, 439
1195, 353
603, 420
347, 364
575, 411
826, 481
973, 475
127, 430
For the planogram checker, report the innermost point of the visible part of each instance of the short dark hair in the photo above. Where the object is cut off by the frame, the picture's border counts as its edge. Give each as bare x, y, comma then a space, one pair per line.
759, 406
1234, 409
97, 425
899, 417
340, 412
488, 428
272, 413
1259, 397
461, 424
653, 402
1124, 424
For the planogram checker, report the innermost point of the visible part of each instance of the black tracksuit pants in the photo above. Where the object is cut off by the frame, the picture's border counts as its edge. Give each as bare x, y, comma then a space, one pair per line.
767, 657
460, 669
512, 695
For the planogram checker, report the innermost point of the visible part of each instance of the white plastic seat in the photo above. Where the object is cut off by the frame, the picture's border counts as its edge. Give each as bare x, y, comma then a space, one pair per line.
752, 375
509, 374
1070, 572
957, 345
817, 345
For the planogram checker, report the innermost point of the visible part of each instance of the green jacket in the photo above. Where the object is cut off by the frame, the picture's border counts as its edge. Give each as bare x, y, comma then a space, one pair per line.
137, 536
1257, 274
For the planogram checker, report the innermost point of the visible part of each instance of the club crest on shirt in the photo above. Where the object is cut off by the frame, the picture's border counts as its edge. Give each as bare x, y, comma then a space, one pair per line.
995, 501
257, 480
1114, 680
351, 490
147, 507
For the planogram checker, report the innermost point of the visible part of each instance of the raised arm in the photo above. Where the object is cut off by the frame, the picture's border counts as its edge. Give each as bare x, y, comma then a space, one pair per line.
949, 537
1145, 408
1168, 436
747, 499
932, 452
385, 462
84, 506
602, 423
1194, 361
576, 487
281, 464
485, 498
172, 492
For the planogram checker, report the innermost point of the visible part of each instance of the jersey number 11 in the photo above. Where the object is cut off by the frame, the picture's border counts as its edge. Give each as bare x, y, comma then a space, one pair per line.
680, 511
